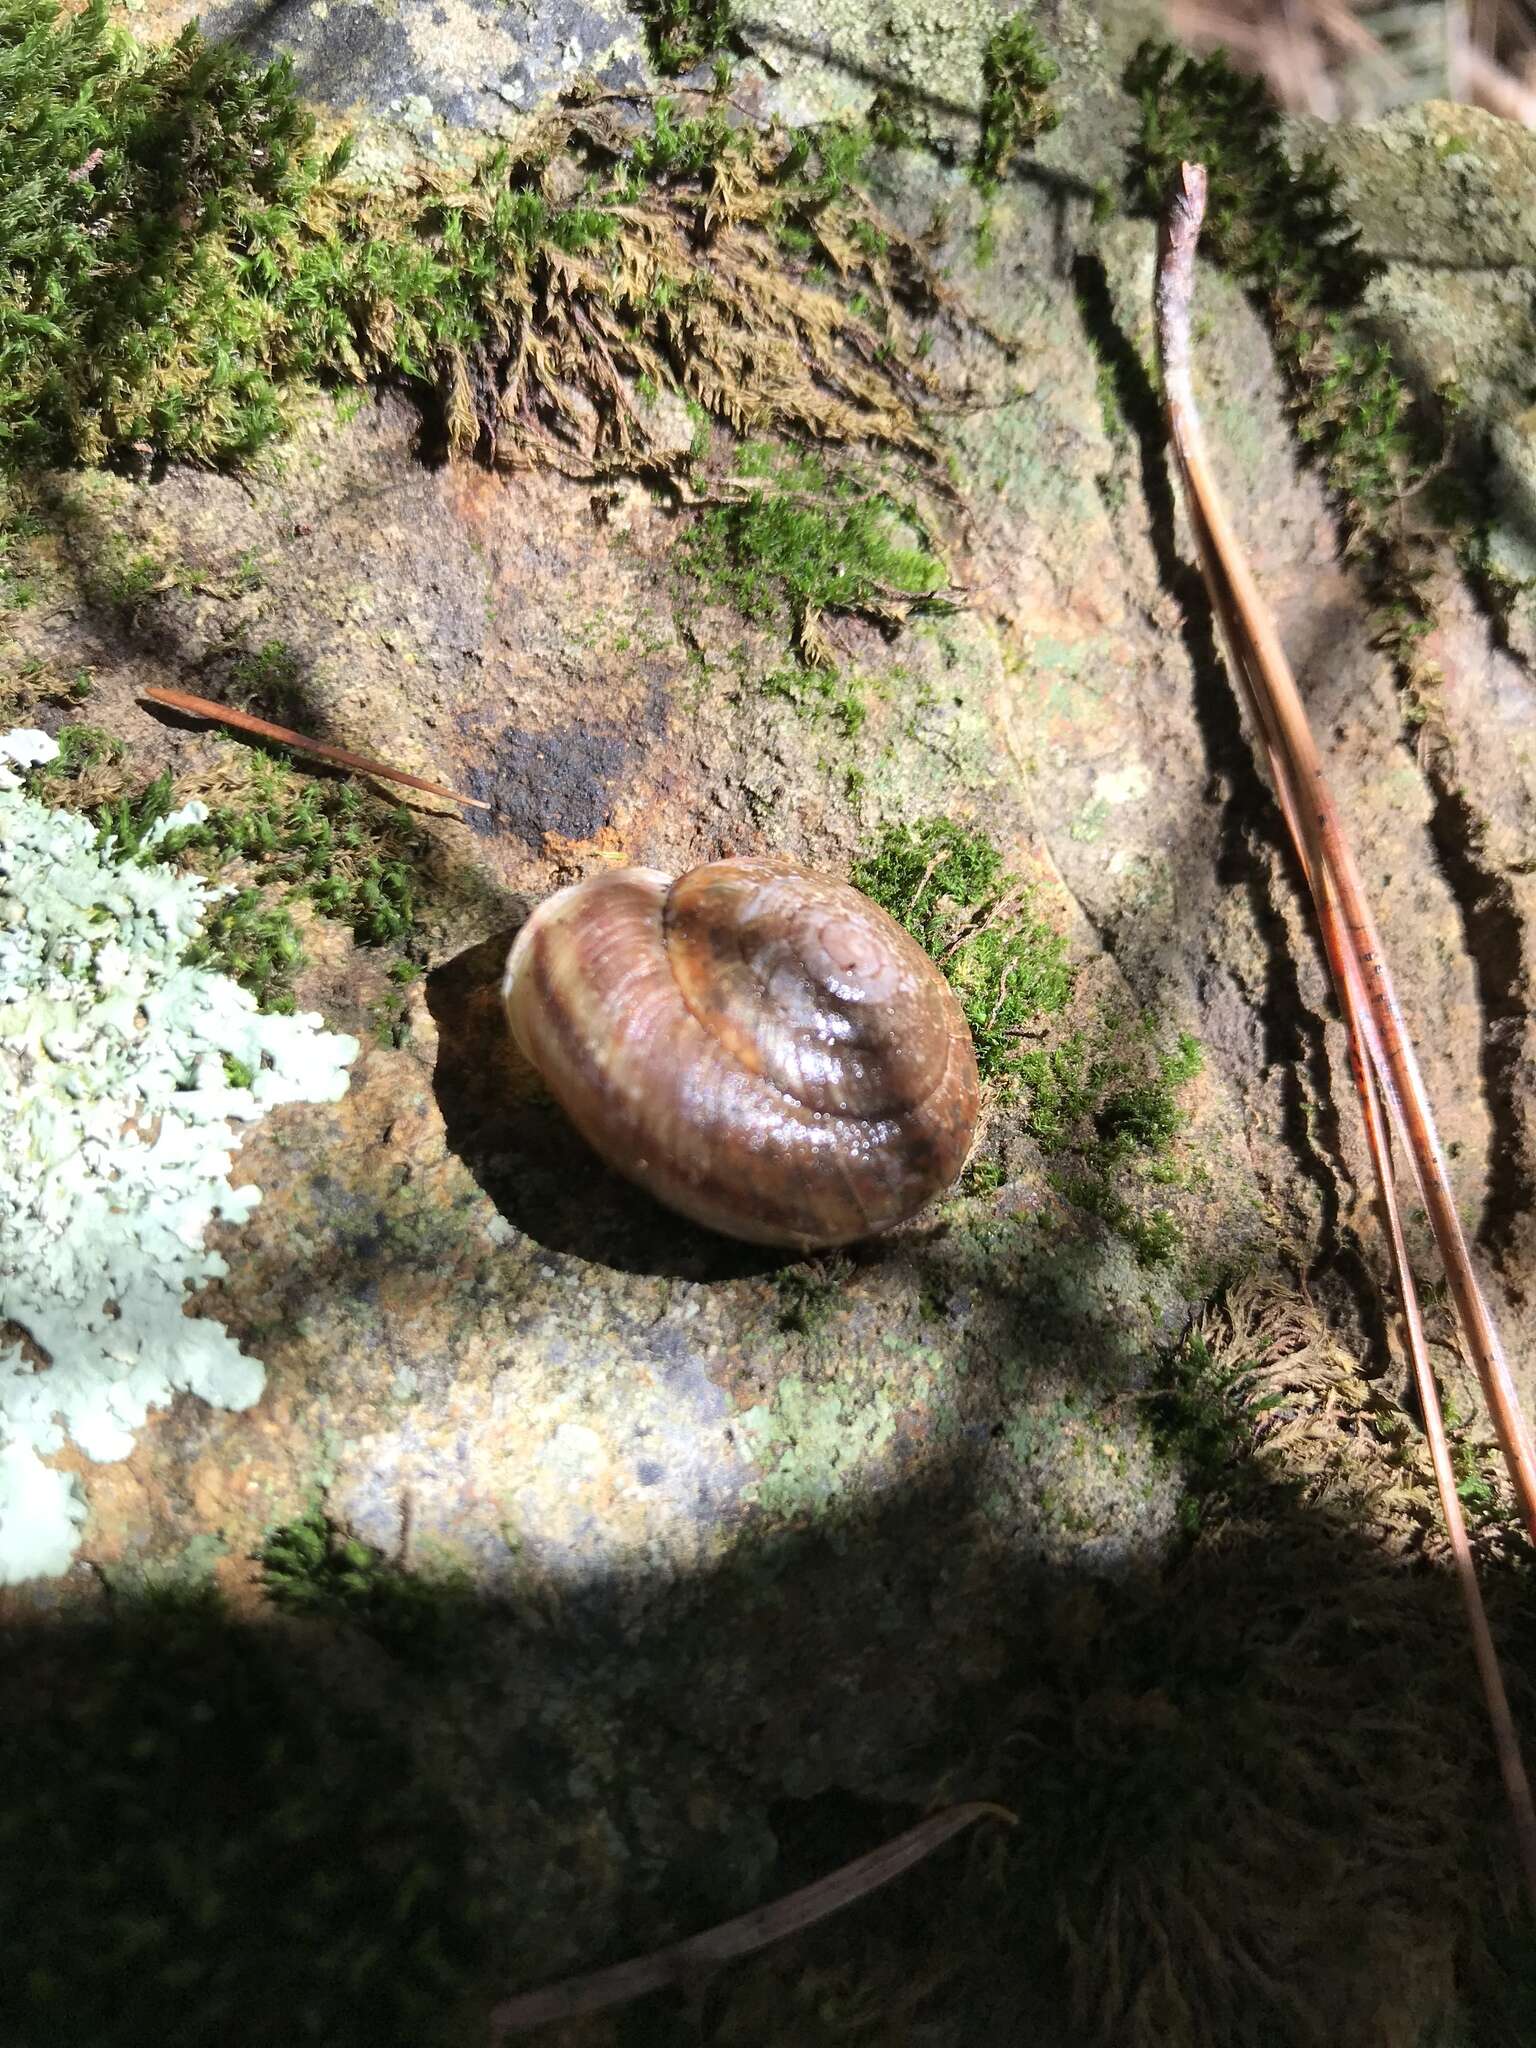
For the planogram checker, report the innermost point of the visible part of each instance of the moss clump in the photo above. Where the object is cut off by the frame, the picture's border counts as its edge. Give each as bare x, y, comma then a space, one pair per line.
946, 886
199, 1843
309, 1567
1140, 1114
681, 147
36, 681
1105, 1103
350, 855
1283, 231
81, 748
1017, 73
811, 545
824, 166
820, 694
269, 681
145, 197
255, 943
180, 248
682, 33
1239, 1403
1108, 1106
808, 1294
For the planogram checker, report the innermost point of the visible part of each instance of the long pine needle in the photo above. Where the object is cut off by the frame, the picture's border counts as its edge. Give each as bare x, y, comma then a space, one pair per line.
322, 750
1381, 1053
598, 1990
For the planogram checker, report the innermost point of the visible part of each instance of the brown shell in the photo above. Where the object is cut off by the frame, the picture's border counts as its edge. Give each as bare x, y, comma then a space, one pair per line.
763, 1049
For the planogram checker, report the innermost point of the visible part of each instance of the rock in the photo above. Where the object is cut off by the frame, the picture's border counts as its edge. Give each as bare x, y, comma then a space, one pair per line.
719, 1564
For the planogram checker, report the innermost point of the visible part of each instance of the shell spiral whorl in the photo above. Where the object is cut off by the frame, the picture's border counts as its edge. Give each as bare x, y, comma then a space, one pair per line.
763, 1049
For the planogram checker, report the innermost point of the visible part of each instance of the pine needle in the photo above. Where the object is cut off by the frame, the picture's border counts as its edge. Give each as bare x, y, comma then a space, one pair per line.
600, 1989
1380, 1051
243, 721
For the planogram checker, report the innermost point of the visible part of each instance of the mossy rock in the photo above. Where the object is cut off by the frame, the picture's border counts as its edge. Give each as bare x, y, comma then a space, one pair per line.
677, 1572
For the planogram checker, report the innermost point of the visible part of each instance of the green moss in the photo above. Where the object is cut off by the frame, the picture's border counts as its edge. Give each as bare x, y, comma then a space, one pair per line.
894, 116
1110, 1105
682, 33
945, 884
1141, 1115
128, 580
820, 694
254, 942
1197, 1421
199, 1842
80, 747
129, 186
1152, 1233
1105, 1102
37, 680
983, 1177
825, 163
349, 854
128, 821
808, 1294
812, 545
1017, 73
181, 250
1108, 375
683, 148
354, 856
309, 1567
269, 681
390, 1015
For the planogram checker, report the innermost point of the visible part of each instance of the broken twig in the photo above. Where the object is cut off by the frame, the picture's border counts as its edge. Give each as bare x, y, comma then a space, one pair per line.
599, 1989
1381, 1054
243, 721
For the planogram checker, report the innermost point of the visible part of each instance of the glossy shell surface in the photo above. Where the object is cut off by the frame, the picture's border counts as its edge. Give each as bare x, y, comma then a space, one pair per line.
761, 1048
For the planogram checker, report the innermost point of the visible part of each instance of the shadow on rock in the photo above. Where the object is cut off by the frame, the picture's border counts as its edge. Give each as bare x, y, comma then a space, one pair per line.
1253, 1795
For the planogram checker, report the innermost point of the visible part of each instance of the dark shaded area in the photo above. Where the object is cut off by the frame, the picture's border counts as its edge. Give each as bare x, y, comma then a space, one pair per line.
1495, 945
211, 1833
1256, 1777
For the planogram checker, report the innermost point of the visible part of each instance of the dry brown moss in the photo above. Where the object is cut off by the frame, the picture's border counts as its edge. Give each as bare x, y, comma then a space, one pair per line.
737, 267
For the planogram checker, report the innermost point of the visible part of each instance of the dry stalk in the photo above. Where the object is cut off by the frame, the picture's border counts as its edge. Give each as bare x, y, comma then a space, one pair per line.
600, 1989
243, 721
1380, 1051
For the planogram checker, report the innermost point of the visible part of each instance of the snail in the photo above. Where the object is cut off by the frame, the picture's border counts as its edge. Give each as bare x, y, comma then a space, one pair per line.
763, 1049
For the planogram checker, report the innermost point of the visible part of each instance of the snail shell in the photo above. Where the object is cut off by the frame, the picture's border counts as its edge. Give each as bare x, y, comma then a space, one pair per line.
761, 1048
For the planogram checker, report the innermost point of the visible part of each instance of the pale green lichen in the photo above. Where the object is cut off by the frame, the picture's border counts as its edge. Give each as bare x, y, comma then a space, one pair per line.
116, 1059
811, 1441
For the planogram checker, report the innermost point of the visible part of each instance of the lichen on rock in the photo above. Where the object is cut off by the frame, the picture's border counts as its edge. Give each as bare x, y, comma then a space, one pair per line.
116, 1060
